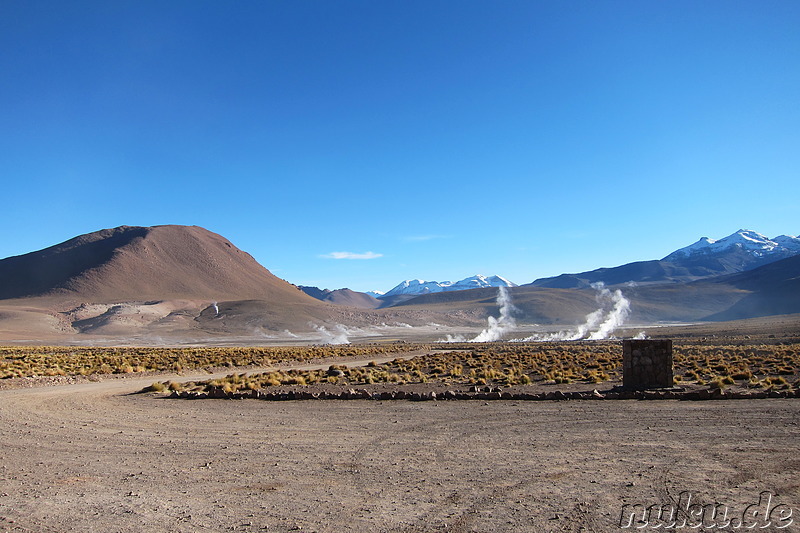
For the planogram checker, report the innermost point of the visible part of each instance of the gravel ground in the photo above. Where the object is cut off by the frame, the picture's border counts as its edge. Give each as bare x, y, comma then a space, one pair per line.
93, 457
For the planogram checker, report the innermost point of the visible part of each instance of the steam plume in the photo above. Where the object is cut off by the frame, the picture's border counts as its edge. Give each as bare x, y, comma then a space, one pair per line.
497, 327
216, 308
616, 317
338, 336
600, 324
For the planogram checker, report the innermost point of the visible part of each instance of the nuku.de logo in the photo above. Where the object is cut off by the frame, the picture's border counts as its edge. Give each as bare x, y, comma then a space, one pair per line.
686, 514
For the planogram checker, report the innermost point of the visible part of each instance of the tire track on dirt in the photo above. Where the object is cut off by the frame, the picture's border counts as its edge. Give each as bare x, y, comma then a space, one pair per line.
457, 508
140, 462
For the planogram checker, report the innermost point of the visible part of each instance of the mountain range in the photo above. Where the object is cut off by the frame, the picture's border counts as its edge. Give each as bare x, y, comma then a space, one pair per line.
738, 252
187, 283
412, 288
418, 286
741, 251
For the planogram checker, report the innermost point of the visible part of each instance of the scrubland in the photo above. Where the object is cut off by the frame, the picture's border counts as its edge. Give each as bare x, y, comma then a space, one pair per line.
29, 361
772, 366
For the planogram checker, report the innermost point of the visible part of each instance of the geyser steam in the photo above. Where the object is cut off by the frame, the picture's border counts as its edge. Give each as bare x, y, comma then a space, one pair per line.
600, 324
497, 327
616, 317
338, 336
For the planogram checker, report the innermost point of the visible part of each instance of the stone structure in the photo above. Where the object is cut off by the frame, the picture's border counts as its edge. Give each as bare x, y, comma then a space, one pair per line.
646, 364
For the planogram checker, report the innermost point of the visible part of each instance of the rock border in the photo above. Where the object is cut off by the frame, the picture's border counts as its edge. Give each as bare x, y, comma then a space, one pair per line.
487, 394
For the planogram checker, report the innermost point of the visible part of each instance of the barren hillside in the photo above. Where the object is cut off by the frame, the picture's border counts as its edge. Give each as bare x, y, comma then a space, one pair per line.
144, 263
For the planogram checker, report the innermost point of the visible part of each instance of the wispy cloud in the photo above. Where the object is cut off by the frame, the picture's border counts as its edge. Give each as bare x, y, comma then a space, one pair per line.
351, 255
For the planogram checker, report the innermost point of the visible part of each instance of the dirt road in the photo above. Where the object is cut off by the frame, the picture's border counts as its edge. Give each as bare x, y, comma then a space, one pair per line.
93, 457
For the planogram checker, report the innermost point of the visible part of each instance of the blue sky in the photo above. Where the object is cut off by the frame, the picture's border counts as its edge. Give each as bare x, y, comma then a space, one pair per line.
356, 144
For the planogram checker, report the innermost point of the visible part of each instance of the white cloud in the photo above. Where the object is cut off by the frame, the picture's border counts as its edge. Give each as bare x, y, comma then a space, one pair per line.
352, 255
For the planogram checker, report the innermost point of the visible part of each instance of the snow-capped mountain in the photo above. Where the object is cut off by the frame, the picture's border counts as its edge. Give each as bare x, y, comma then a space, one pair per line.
741, 251
748, 241
418, 286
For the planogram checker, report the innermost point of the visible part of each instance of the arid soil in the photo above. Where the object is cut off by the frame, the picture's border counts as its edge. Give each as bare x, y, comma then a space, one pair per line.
94, 457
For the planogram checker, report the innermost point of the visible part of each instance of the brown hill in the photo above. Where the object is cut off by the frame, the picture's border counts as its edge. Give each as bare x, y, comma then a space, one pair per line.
184, 283
352, 299
773, 289
144, 263
343, 297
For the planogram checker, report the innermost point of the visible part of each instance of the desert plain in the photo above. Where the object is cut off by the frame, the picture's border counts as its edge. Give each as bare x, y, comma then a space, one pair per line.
96, 454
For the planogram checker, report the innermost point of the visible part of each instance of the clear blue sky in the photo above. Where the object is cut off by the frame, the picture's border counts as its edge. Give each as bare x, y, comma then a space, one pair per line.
523, 139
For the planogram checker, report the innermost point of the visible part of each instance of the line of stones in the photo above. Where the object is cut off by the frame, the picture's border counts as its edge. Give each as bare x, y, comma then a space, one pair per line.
363, 394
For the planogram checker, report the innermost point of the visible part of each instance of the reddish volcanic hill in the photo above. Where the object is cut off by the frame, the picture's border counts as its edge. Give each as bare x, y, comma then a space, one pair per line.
145, 263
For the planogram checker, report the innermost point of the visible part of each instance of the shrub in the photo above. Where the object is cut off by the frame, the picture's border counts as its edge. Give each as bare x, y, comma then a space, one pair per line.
717, 384
156, 387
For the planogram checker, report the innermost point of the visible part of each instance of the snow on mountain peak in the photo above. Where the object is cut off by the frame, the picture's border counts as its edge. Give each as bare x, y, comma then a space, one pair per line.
747, 238
418, 286
788, 241
749, 241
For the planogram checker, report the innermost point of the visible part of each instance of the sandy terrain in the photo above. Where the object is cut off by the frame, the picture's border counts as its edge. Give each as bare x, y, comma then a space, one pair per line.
93, 457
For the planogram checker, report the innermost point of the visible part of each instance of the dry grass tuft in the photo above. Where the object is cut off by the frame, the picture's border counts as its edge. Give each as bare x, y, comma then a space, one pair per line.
507, 364
25, 361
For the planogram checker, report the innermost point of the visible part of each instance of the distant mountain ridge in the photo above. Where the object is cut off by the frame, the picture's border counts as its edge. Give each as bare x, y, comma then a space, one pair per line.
749, 242
418, 286
771, 289
404, 291
741, 251
342, 297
